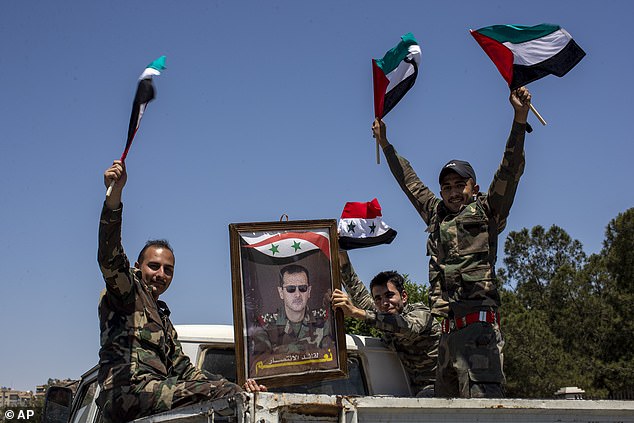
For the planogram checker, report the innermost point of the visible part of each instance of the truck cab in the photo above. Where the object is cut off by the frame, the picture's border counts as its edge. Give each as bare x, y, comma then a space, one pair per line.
376, 389
211, 347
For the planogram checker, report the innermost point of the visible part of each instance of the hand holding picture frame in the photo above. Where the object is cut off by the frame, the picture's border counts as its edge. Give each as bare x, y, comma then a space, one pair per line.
283, 274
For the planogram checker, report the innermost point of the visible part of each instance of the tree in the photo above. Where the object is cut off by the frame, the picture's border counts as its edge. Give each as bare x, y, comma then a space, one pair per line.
566, 316
616, 276
545, 306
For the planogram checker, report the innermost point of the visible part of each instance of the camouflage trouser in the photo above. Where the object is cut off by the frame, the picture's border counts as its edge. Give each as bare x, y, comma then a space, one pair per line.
132, 402
470, 362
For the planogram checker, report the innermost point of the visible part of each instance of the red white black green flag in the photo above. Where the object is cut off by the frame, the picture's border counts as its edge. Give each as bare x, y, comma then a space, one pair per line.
524, 54
144, 94
285, 247
395, 74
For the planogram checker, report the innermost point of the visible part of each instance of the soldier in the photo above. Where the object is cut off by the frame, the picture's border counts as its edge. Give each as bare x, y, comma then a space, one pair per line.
463, 228
142, 368
294, 328
408, 329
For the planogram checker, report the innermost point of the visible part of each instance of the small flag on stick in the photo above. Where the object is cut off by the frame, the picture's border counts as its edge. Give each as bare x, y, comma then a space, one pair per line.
524, 54
144, 94
394, 75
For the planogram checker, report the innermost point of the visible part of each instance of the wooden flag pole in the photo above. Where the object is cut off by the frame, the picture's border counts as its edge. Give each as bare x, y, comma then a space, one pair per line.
378, 154
534, 110
109, 190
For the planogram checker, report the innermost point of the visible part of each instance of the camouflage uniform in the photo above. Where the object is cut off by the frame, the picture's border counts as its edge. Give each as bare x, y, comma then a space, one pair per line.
276, 334
463, 249
413, 333
142, 368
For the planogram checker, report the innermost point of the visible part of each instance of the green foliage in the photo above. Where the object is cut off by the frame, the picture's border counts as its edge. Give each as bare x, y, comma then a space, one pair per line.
566, 316
416, 293
359, 327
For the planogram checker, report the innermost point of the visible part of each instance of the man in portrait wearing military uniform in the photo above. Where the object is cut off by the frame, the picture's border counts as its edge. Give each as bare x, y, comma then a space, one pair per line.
463, 227
142, 367
407, 328
294, 327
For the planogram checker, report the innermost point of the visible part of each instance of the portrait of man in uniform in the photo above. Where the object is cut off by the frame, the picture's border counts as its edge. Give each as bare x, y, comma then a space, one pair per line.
283, 276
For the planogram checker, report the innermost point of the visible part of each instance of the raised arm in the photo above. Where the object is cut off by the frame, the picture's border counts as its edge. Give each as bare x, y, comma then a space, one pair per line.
112, 260
504, 185
421, 197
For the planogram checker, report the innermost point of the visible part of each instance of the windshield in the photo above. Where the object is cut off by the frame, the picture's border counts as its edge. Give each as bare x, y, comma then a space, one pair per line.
222, 361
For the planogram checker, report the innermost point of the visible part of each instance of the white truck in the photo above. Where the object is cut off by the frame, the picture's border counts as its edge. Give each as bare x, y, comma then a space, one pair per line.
376, 390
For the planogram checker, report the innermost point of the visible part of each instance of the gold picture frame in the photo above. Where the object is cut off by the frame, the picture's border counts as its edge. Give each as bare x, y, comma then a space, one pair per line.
283, 274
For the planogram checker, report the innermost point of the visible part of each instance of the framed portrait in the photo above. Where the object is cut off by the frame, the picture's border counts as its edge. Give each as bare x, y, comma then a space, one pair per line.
283, 274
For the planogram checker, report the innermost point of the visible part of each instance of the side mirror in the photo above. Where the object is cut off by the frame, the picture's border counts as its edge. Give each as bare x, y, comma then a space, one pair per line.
57, 405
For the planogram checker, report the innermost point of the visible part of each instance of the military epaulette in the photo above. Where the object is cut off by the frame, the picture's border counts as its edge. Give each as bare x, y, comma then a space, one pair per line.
267, 318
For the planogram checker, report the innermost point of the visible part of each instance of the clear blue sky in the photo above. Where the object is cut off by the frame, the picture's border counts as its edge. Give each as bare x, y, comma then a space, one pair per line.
265, 109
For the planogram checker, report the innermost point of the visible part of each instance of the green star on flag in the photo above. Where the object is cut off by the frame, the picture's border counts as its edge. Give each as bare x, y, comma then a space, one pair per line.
351, 226
283, 247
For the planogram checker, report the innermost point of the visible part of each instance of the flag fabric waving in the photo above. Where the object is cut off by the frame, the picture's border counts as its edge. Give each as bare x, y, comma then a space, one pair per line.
525, 54
144, 94
395, 74
362, 225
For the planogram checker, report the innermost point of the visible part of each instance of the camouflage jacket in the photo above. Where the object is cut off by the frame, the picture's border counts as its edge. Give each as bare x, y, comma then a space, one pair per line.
276, 334
138, 341
413, 334
462, 247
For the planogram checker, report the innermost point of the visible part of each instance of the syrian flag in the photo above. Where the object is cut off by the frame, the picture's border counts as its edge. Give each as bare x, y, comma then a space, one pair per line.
287, 247
395, 74
361, 225
144, 94
525, 54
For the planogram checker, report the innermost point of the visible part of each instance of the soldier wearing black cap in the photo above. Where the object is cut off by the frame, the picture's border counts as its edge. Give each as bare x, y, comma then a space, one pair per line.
463, 227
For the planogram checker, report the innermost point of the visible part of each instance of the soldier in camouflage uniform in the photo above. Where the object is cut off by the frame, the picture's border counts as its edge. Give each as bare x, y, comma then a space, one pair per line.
408, 329
294, 328
142, 368
463, 227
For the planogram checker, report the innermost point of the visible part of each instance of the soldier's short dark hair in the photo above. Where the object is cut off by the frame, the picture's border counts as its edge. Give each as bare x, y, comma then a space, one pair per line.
157, 243
292, 269
389, 276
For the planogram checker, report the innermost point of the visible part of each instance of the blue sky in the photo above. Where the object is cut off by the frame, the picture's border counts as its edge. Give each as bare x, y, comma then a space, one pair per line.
265, 109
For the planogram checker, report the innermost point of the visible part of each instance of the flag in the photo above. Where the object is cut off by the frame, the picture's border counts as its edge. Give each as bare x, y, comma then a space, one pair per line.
361, 225
144, 94
395, 74
525, 54
285, 247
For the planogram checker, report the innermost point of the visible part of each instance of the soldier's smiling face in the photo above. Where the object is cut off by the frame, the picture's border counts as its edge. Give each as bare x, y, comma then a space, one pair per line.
295, 293
457, 191
157, 269
387, 298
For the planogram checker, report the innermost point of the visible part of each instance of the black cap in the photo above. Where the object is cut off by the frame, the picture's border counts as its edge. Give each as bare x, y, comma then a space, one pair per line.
460, 167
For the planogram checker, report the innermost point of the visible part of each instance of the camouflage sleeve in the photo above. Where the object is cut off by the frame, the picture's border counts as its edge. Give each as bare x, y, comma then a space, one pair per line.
504, 185
181, 364
261, 344
113, 262
359, 294
435, 298
411, 324
421, 197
